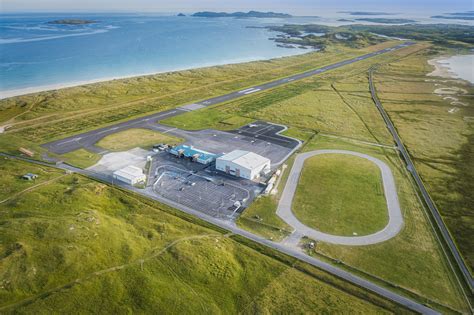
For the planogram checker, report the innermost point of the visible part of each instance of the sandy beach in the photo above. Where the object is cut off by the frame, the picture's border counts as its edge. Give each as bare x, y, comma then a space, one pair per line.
51, 87
441, 69
452, 67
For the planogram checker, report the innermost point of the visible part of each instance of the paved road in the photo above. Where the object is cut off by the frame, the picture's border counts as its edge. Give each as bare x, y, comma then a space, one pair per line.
370, 286
88, 139
426, 196
392, 228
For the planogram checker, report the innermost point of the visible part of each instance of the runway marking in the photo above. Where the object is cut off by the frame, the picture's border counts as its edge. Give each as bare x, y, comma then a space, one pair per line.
71, 140
243, 91
260, 131
252, 91
166, 114
169, 130
107, 130
252, 136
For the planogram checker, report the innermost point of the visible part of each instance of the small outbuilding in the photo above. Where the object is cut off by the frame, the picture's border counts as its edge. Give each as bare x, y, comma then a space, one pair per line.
130, 175
29, 176
243, 164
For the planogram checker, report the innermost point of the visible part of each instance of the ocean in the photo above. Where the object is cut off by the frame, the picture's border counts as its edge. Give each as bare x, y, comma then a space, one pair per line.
36, 55
461, 66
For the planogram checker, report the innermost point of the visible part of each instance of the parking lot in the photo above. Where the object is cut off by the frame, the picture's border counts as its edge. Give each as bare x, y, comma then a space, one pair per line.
211, 191
261, 138
201, 189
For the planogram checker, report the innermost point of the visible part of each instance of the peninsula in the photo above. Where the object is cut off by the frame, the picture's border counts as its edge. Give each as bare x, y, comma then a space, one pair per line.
249, 14
366, 13
386, 21
454, 17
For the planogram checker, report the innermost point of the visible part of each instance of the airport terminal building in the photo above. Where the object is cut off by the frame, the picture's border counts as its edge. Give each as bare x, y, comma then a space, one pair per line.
193, 153
243, 164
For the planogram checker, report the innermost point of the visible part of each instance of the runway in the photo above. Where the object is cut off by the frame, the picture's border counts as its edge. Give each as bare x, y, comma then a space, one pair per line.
88, 139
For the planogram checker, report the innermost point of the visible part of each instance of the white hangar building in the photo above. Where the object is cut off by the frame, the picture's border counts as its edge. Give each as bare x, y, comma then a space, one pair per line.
243, 164
131, 175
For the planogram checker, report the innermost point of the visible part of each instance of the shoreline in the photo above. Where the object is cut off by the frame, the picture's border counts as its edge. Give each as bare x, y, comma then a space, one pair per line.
443, 69
58, 86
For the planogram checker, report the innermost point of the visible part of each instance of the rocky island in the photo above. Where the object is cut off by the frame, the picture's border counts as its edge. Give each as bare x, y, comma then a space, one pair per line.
365, 13
72, 22
386, 21
250, 14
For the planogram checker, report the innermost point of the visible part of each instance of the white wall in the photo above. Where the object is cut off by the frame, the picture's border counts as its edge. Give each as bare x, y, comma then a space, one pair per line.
130, 181
244, 172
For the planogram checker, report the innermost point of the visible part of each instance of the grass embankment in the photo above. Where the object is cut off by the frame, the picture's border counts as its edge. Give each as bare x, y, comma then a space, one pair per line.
341, 195
75, 245
11, 182
434, 117
260, 219
81, 158
132, 138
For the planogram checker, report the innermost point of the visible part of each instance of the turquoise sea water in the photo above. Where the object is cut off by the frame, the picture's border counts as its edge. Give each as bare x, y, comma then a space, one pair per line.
34, 53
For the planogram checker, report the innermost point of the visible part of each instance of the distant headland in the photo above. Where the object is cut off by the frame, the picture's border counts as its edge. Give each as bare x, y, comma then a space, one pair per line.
366, 13
72, 22
250, 14
386, 21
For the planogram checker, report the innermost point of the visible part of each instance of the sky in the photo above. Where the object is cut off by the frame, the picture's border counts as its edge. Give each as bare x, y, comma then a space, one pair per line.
296, 7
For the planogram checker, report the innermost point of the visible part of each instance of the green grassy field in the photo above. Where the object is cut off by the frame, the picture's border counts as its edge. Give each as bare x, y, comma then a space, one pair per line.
81, 158
411, 263
438, 132
260, 219
341, 195
337, 102
132, 138
412, 260
75, 245
11, 182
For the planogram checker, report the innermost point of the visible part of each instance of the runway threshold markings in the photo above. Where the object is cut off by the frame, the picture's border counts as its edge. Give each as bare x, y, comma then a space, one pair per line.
243, 91
252, 91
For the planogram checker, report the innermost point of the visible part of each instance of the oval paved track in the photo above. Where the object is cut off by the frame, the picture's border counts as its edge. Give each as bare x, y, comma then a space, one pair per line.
395, 221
